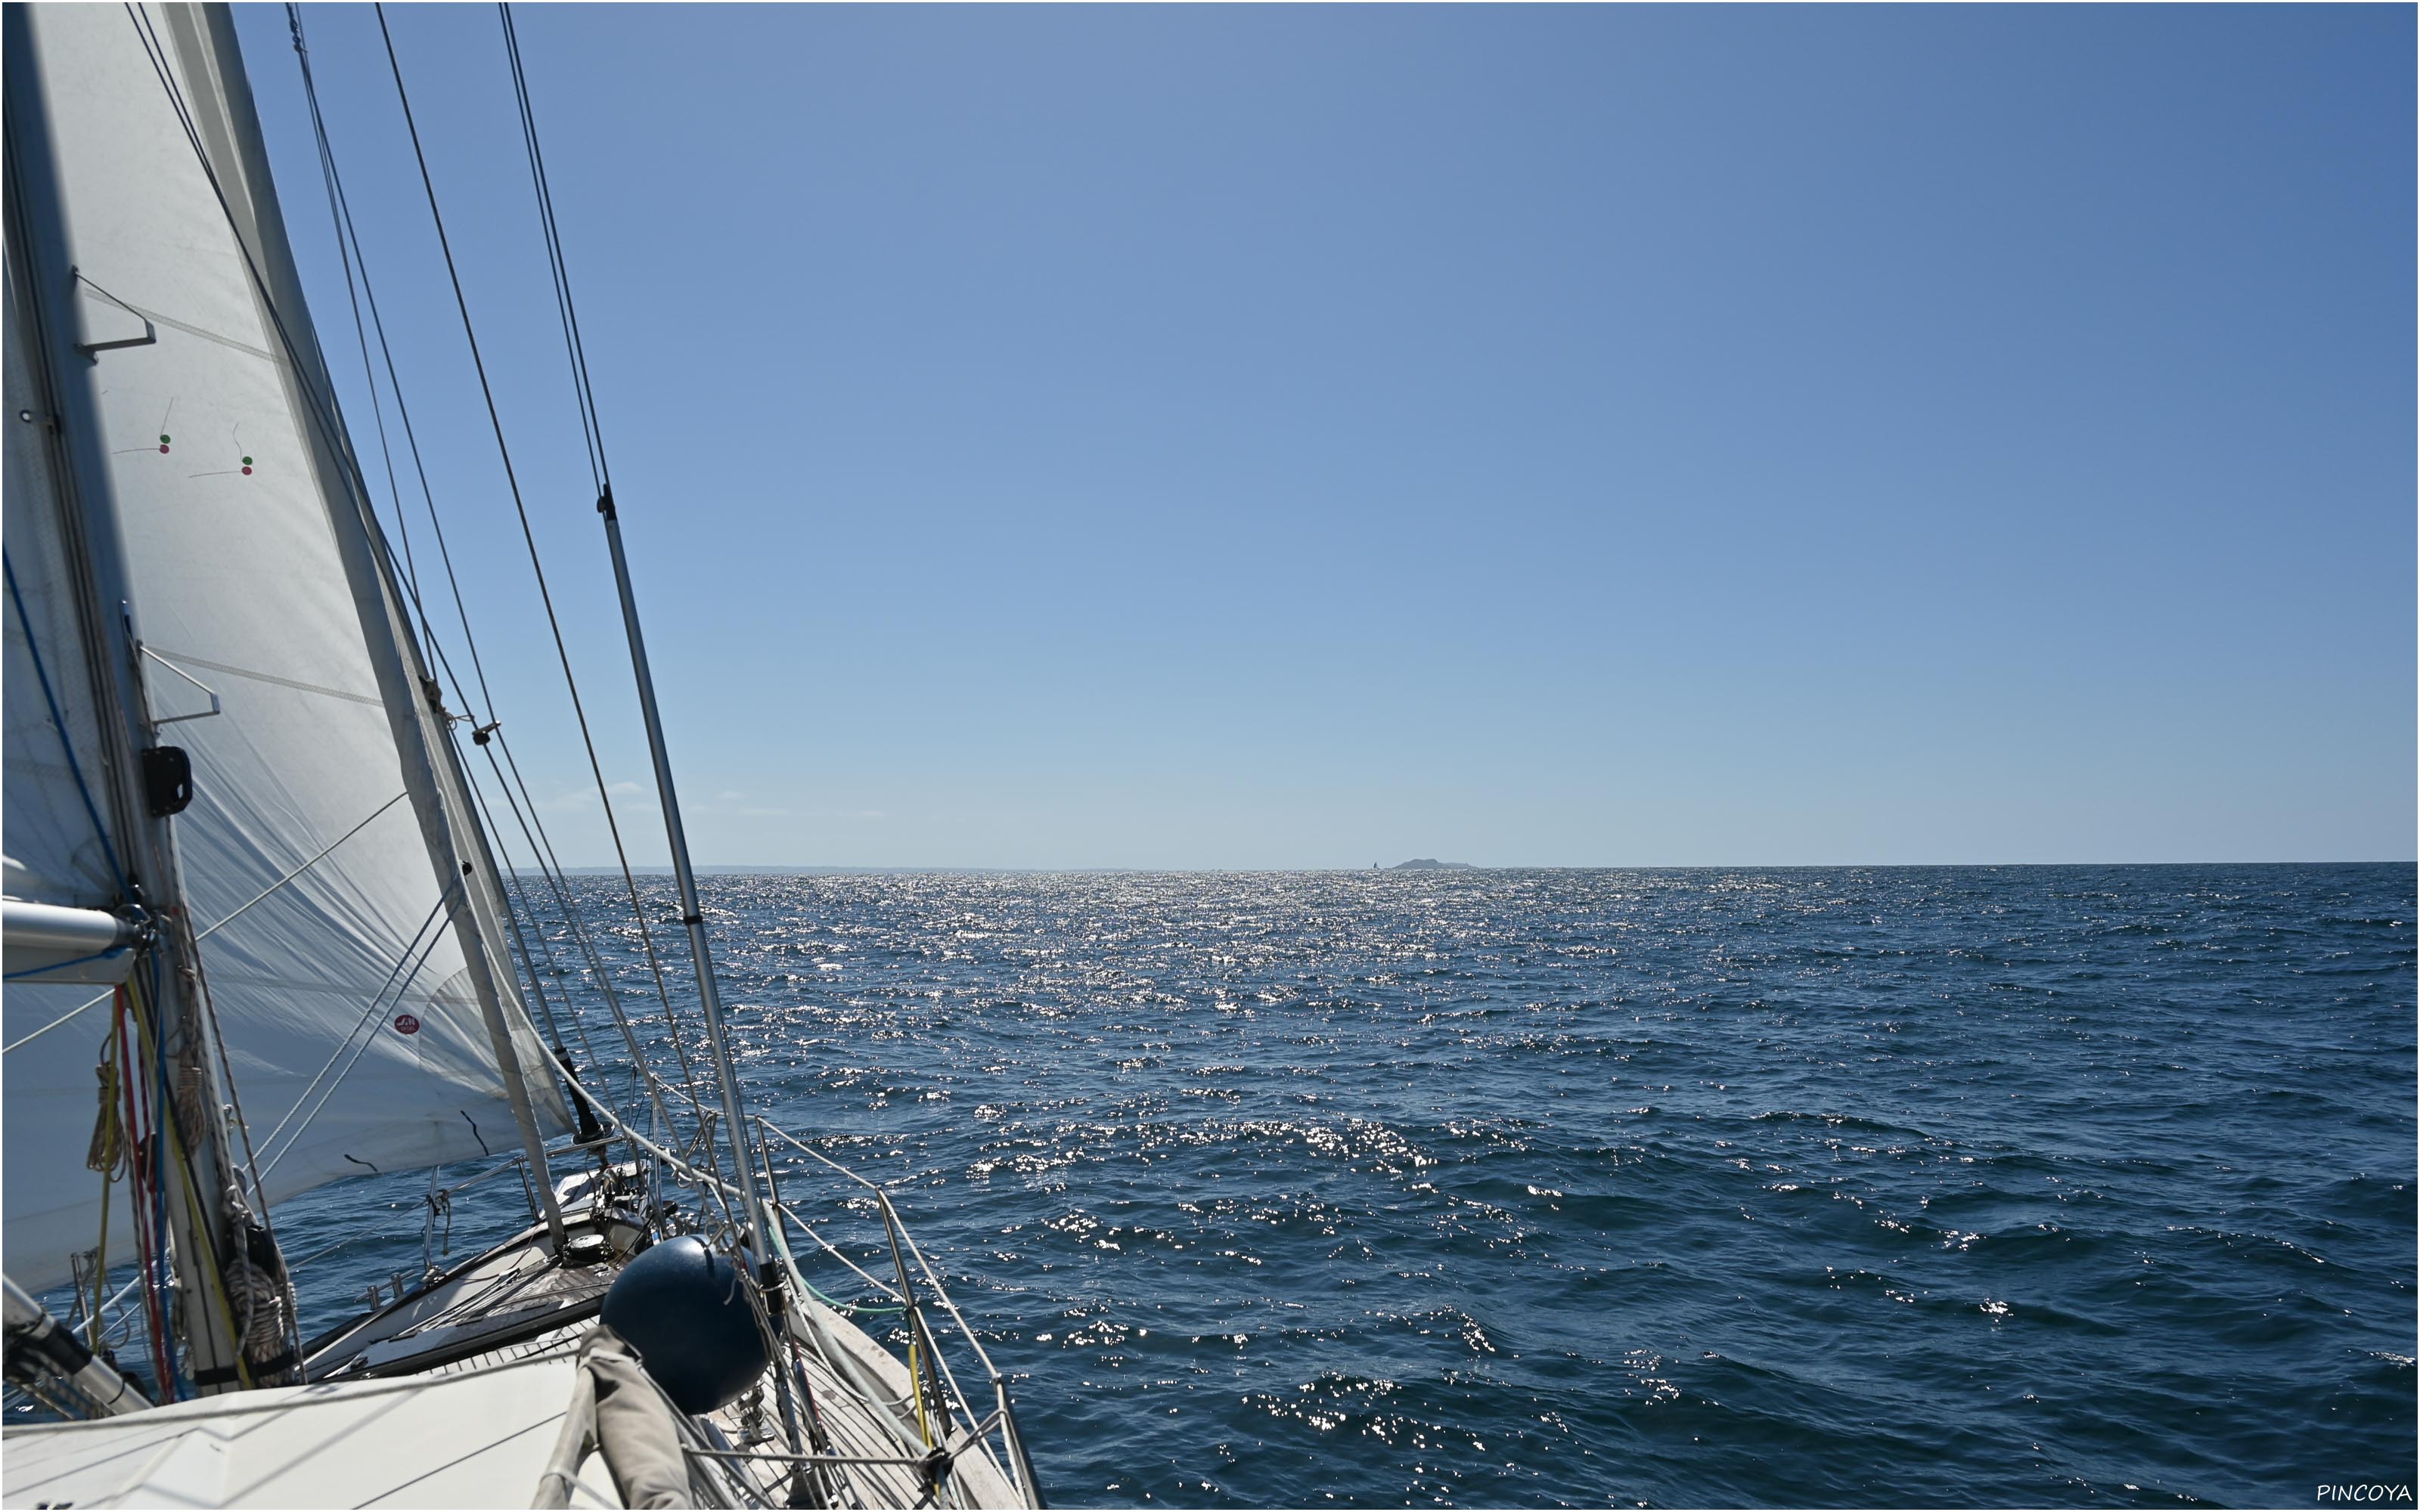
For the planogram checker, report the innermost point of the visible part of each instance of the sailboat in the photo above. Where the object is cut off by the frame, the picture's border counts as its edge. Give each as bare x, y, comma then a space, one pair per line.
258, 940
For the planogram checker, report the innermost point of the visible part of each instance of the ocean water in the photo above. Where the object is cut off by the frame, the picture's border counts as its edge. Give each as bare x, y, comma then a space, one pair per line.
1957, 1186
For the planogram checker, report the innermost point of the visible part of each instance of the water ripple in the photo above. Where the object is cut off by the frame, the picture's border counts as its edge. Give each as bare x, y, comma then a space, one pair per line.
1824, 1187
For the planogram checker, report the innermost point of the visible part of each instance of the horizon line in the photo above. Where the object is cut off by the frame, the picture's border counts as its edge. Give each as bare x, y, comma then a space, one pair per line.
817, 868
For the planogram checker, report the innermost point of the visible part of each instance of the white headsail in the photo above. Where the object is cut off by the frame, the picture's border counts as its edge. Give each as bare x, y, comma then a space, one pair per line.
344, 962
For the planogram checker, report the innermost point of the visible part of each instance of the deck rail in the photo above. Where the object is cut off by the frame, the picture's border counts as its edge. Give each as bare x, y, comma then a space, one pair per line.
945, 1412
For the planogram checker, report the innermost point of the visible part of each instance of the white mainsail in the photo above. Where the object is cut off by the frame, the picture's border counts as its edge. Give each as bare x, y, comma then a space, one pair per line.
345, 983
56, 852
54, 847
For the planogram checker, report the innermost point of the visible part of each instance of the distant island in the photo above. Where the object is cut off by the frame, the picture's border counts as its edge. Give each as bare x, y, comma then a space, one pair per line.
1430, 863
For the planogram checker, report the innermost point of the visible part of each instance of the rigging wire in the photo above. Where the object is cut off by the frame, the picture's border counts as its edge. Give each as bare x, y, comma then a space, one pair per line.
319, 404
578, 933
529, 959
592, 431
345, 257
529, 537
552, 865
87, 1003
340, 209
376, 1000
319, 407
584, 395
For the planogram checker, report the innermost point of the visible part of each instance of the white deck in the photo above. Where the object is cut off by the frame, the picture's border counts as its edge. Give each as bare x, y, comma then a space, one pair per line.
464, 1440
455, 1395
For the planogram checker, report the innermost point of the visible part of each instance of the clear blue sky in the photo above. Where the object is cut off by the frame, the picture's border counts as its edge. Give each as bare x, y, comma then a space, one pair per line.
1240, 437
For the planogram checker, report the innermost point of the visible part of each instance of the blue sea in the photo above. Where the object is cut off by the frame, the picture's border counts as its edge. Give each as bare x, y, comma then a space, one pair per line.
1534, 1188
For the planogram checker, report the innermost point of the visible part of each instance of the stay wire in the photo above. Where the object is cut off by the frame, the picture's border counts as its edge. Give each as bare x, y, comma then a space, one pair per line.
515, 908
542, 849
529, 537
341, 210
584, 390
402, 986
553, 867
353, 297
593, 429
511, 874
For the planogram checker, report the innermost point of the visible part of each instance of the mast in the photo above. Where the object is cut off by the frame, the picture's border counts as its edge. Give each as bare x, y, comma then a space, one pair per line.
202, 1206
733, 1111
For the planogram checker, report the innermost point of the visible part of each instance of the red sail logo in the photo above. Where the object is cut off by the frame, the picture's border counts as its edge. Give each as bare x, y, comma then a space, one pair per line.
406, 1024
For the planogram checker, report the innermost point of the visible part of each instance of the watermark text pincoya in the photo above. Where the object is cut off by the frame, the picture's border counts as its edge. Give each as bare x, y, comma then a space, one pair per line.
2368, 1494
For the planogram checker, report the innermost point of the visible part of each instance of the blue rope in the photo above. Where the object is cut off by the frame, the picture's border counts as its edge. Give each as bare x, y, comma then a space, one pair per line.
42, 676
62, 965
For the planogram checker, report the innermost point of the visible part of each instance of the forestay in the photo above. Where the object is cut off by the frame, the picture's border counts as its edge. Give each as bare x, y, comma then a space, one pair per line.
347, 986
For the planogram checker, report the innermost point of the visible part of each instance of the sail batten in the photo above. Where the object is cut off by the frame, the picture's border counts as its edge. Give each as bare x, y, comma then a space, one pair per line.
252, 562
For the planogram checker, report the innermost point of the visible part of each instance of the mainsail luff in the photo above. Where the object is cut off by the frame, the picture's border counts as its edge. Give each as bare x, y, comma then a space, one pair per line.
273, 587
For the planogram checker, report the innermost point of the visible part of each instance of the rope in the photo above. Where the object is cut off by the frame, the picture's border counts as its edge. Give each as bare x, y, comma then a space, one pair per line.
61, 965
146, 1201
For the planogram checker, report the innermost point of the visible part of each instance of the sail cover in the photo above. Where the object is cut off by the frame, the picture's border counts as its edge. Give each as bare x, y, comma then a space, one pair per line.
340, 979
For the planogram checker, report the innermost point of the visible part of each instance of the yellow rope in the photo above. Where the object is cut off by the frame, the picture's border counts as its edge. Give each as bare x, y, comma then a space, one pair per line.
916, 1384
